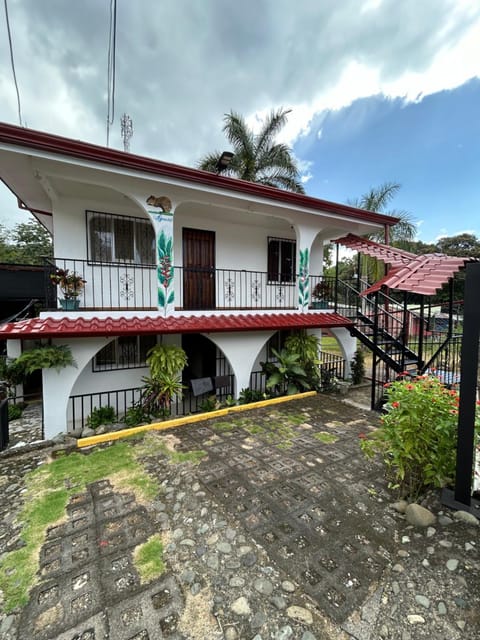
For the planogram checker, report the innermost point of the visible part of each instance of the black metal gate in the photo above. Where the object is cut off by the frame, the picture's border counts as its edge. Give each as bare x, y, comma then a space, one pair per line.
4, 435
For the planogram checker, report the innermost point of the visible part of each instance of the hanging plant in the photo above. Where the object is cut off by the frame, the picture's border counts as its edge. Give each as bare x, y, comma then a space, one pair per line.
47, 357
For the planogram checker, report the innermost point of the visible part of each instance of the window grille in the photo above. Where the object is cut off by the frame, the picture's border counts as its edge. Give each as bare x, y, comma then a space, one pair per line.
125, 352
114, 238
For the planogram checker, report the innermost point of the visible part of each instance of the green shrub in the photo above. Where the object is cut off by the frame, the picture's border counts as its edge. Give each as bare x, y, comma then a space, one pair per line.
250, 395
210, 404
306, 346
230, 401
285, 376
166, 360
15, 411
357, 367
136, 415
101, 415
418, 436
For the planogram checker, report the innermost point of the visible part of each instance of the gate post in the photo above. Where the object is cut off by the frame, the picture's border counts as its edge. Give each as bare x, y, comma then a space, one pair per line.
468, 393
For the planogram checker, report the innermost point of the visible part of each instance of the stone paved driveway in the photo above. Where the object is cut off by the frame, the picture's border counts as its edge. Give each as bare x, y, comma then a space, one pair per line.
282, 532
299, 486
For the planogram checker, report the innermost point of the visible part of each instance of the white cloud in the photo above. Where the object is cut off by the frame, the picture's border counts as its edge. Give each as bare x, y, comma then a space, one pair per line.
306, 177
182, 65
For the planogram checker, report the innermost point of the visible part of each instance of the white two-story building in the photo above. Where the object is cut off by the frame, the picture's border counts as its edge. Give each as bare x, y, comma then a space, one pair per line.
214, 264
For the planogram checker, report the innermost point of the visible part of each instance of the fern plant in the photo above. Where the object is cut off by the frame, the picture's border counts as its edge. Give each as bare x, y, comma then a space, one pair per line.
47, 357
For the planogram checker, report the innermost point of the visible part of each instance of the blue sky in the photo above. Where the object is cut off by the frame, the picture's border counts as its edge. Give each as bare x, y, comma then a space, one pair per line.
432, 148
379, 90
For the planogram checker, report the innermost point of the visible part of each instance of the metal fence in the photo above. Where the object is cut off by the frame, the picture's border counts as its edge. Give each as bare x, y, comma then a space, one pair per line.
80, 407
4, 433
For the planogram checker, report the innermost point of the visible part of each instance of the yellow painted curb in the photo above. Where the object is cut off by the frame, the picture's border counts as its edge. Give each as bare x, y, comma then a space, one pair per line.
178, 422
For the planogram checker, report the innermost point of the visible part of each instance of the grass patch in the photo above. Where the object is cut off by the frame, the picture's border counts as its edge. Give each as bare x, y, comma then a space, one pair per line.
148, 559
48, 490
154, 444
325, 437
223, 426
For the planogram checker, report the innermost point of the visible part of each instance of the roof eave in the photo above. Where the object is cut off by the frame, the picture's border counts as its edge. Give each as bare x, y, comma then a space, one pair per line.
47, 142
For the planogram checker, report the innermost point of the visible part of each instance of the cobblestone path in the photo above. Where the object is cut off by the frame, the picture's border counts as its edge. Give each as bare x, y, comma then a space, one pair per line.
89, 588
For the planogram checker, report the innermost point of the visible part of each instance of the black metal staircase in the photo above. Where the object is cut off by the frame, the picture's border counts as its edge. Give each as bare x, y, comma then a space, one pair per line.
401, 340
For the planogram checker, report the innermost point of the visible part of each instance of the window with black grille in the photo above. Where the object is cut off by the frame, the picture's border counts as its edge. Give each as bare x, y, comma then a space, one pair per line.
125, 352
281, 260
114, 238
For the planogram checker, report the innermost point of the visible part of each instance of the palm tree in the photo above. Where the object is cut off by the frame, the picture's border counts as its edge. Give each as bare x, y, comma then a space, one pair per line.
257, 158
377, 200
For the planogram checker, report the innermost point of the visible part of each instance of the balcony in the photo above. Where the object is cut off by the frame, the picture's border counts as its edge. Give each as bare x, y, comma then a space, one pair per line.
124, 286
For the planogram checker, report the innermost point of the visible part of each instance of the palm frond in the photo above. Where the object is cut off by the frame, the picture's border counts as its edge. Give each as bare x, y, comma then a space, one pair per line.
377, 198
272, 125
209, 162
238, 134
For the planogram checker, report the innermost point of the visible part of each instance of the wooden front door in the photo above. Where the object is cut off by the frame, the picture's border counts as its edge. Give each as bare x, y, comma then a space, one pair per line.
198, 269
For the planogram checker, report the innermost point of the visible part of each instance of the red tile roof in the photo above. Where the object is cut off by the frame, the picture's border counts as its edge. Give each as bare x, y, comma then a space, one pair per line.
423, 274
389, 255
87, 327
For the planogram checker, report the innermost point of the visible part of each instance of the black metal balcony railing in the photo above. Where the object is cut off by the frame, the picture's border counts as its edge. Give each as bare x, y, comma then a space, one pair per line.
123, 286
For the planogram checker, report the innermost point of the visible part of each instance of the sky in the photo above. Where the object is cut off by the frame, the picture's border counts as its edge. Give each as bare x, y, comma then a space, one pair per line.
379, 90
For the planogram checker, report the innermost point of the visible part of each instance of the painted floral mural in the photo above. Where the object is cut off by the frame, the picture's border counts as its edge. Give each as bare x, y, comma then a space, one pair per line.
304, 280
165, 273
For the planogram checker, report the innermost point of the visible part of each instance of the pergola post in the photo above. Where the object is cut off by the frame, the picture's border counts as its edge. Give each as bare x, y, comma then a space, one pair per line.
461, 497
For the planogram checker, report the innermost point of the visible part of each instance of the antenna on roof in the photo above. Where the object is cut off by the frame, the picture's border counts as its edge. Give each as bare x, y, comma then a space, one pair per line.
126, 126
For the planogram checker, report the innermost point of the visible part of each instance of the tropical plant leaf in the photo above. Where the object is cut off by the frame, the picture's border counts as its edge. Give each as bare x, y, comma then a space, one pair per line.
161, 297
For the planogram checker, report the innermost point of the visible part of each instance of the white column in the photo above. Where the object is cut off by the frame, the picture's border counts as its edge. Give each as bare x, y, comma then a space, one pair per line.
160, 210
305, 239
241, 350
57, 385
348, 345
14, 350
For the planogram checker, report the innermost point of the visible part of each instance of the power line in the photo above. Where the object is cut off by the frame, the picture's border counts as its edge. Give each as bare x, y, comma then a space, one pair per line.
112, 47
13, 63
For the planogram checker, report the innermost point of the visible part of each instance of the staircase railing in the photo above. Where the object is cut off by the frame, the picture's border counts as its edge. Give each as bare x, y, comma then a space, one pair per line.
401, 339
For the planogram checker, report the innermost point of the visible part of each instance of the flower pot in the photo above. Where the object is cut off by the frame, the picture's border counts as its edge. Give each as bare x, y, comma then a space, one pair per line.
319, 304
70, 304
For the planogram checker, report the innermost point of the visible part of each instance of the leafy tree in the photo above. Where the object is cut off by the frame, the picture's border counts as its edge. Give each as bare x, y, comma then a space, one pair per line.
26, 243
464, 244
257, 158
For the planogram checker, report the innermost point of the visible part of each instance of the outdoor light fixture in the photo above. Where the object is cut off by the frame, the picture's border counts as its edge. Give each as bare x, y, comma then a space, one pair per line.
224, 161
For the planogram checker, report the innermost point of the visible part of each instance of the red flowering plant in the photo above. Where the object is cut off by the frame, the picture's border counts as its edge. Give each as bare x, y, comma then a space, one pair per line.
418, 436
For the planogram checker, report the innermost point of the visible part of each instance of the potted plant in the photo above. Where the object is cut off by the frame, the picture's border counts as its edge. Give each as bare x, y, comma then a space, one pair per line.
320, 291
71, 284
